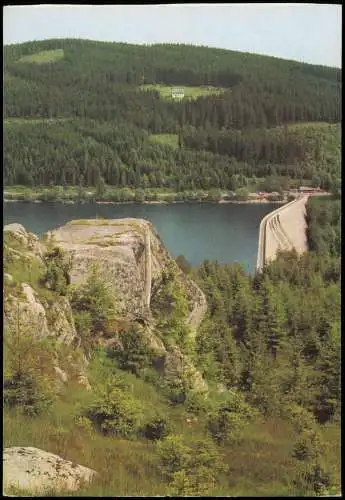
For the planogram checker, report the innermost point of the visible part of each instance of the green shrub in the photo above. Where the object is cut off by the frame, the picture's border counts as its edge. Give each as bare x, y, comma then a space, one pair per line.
226, 422
114, 412
83, 324
28, 372
134, 354
307, 446
190, 470
196, 403
242, 194
96, 298
31, 395
57, 275
176, 390
83, 423
140, 195
312, 480
302, 419
157, 428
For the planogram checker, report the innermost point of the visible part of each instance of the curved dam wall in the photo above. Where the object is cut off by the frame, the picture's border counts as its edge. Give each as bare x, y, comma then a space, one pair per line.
283, 229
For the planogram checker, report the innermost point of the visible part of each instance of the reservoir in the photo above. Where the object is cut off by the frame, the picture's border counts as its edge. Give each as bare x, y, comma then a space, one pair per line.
224, 232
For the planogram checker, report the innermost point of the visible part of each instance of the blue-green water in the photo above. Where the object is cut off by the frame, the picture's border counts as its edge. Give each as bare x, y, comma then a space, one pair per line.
223, 232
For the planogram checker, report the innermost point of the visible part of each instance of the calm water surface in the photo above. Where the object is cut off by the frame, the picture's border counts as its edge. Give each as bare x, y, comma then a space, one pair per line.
226, 232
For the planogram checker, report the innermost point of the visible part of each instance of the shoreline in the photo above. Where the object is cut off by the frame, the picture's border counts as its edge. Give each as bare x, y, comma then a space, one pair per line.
220, 202
153, 202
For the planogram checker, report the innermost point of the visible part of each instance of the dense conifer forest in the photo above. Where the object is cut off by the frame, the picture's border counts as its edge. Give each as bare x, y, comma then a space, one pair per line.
79, 112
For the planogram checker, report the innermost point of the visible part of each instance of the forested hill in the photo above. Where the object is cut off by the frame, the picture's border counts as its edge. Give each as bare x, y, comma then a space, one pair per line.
130, 85
274, 90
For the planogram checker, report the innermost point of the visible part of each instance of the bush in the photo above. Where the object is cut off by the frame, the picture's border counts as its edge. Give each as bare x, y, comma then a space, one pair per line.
134, 353
177, 390
312, 480
157, 428
308, 446
114, 412
140, 195
190, 470
84, 423
58, 268
174, 455
27, 393
242, 194
226, 422
196, 403
28, 372
83, 325
302, 419
97, 299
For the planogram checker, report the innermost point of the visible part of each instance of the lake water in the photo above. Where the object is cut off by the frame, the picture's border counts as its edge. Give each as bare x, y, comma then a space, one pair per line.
223, 232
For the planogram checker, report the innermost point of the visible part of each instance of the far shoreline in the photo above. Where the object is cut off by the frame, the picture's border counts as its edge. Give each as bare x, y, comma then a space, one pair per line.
22, 194
156, 202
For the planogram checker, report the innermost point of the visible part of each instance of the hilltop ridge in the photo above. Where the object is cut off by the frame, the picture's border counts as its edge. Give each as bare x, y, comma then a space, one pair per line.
113, 120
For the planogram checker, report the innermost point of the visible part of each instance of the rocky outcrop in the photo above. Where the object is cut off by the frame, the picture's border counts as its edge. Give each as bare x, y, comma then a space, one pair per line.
61, 322
28, 242
198, 312
132, 259
30, 312
130, 256
38, 472
24, 311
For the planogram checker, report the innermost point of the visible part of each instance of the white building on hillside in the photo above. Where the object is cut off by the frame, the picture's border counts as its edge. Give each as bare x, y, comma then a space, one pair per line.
177, 93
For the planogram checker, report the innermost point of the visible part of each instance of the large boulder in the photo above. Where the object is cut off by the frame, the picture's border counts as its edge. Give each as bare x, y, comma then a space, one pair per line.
130, 256
133, 260
24, 312
38, 471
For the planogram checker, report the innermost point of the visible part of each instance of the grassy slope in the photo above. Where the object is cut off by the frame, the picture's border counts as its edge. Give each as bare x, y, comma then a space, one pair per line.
43, 57
32, 121
189, 92
259, 463
167, 139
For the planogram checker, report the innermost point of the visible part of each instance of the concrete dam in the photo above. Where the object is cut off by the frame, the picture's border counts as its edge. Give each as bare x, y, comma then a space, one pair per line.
283, 229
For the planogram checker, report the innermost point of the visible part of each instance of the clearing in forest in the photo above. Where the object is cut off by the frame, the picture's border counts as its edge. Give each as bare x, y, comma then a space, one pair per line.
35, 120
189, 92
43, 57
167, 139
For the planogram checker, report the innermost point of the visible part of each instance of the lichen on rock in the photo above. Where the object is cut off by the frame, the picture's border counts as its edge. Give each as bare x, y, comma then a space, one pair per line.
38, 471
126, 261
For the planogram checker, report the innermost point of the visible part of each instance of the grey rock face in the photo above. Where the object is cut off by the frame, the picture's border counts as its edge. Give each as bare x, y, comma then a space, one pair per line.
30, 242
131, 258
33, 316
37, 471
